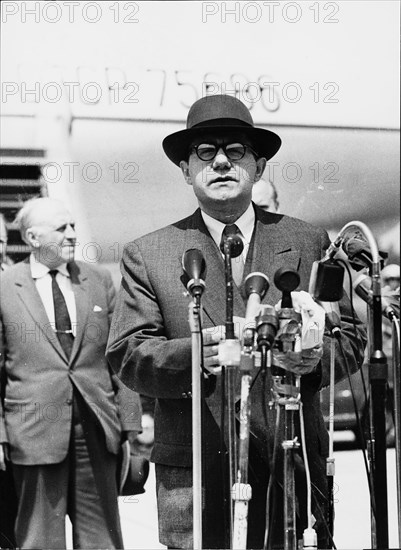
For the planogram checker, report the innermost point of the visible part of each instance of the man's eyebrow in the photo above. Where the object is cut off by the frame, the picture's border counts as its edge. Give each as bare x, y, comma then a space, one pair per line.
64, 226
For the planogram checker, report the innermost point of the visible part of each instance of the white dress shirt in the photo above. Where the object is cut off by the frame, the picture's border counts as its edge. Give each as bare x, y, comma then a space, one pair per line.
43, 282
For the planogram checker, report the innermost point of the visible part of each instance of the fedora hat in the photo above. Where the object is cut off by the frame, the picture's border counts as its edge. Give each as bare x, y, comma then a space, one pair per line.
217, 113
132, 471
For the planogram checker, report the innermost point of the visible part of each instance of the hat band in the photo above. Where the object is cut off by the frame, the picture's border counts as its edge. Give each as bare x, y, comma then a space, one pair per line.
221, 122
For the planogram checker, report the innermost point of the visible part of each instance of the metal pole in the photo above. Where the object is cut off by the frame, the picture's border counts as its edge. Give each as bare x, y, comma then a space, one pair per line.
289, 445
194, 321
330, 462
242, 491
232, 438
378, 381
397, 413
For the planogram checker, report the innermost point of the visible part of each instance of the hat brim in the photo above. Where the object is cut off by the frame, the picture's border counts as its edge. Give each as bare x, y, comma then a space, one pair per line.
176, 145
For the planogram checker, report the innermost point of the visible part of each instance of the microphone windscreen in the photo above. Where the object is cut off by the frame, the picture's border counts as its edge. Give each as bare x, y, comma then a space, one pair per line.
354, 247
286, 279
193, 264
359, 254
256, 283
236, 245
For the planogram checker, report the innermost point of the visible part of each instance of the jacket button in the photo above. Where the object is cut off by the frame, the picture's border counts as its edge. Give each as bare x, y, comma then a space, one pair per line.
184, 395
69, 401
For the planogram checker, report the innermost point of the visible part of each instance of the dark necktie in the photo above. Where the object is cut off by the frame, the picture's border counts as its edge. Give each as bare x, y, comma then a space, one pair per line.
61, 317
237, 265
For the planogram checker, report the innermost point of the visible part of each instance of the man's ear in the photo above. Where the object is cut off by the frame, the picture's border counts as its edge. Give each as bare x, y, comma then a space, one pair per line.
30, 237
185, 171
260, 168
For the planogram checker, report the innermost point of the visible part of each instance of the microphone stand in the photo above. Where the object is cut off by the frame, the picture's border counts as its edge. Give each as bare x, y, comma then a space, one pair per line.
333, 323
196, 340
242, 491
194, 267
256, 286
377, 381
229, 358
287, 393
397, 413
330, 461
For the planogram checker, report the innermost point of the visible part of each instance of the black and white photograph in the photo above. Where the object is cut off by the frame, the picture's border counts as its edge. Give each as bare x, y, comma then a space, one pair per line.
200, 275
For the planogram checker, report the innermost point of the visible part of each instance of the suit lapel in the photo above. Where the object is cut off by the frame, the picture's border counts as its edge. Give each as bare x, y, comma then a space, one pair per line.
80, 287
26, 289
270, 249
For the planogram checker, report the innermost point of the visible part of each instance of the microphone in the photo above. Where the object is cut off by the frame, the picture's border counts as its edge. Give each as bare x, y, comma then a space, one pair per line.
194, 266
326, 280
288, 337
266, 326
235, 243
256, 285
363, 288
232, 247
359, 253
286, 280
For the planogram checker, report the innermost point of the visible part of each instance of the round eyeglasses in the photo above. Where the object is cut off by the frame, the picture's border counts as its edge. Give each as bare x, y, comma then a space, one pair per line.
233, 151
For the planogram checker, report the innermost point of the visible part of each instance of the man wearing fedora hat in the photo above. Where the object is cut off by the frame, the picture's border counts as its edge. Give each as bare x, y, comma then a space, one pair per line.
221, 155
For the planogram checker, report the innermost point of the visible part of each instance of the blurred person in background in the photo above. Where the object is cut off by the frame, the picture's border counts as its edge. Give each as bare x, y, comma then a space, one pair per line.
8, 497
390, 275
65, 414
264, 194
5, 261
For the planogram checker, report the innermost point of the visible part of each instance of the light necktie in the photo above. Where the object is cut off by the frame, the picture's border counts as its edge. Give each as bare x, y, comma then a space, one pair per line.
237, 264
61, 317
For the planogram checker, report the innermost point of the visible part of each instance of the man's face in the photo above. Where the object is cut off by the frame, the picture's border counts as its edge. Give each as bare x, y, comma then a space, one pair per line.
52, 235
263, 195
222, 183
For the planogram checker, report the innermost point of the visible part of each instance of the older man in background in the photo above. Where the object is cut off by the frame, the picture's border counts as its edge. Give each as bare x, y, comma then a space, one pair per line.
264, 194
64, 413
8, 499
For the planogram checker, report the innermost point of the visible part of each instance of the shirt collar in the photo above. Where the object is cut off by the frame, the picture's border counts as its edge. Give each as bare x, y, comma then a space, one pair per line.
39, 270
245, 224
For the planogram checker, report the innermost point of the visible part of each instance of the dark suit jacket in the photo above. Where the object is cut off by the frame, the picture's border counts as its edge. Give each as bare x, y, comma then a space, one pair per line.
38, 377
150, 346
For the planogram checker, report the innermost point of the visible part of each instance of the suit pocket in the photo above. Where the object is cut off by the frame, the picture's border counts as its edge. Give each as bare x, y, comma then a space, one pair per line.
290, 259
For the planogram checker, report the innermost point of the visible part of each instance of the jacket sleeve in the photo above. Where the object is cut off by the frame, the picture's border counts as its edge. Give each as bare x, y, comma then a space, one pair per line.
3, 434
353, 339
128, 401
138, 349
128, 405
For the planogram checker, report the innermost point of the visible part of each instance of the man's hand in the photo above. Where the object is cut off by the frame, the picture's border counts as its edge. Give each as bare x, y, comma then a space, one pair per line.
4, 455
211, 338
313, 318
313, 321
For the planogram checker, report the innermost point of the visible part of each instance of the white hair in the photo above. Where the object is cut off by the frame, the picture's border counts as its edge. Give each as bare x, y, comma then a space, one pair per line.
25, 215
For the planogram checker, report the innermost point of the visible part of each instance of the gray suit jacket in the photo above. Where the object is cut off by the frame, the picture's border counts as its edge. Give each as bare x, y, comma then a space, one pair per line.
150, 346
37, 377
